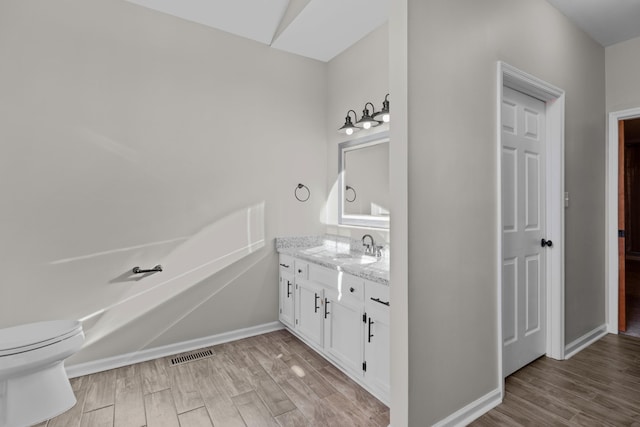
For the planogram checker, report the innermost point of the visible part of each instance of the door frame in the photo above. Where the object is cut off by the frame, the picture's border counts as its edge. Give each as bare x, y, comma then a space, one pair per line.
554, 99
611, 215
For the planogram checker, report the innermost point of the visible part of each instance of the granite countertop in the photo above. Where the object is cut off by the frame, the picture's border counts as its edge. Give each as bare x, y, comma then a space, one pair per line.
338, 253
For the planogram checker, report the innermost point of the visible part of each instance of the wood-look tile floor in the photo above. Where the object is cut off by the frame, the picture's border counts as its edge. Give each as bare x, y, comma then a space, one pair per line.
600, 386
268, 380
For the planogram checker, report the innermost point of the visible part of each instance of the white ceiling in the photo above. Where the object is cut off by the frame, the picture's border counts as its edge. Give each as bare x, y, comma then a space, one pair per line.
321, 29
318, 29
325, 28
253, 19
606, 21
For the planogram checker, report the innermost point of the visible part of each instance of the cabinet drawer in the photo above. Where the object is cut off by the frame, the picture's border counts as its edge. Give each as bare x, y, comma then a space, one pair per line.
352, 286
324, 275
302, 269
286, 264
377, 295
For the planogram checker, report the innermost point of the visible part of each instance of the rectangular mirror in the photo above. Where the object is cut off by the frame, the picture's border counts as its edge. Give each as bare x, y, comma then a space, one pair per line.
363, 181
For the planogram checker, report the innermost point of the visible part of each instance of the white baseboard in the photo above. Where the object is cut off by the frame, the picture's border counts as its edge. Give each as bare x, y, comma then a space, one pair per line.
473, 410
167, 350
585, 341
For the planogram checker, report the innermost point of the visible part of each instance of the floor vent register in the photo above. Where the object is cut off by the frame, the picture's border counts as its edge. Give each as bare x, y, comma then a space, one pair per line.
190, 357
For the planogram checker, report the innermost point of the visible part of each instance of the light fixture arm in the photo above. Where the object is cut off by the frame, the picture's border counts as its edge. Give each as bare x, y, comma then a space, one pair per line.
349, 128
383, 115
367, 121
365, 112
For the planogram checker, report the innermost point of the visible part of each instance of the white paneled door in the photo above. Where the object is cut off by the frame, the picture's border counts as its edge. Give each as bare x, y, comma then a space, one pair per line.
523, 230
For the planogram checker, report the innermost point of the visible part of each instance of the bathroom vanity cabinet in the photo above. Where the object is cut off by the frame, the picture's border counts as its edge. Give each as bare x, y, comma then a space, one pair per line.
342, 316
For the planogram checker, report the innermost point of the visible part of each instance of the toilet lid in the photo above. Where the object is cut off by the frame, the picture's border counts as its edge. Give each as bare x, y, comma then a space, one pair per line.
35, 335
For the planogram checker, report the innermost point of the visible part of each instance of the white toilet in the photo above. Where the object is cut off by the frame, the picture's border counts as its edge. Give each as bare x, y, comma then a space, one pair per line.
33, 382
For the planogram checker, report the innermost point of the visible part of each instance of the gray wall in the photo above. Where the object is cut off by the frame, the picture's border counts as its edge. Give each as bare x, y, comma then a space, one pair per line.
358, 75
398, 182
126, 134
623, 69
453, 50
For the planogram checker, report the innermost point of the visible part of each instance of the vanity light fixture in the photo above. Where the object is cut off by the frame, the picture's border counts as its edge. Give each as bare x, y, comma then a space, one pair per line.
383, 115
348, 128
367, 121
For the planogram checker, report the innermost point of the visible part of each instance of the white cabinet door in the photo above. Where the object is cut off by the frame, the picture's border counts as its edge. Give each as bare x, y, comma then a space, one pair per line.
310, 310
287, 295
343, 330
376, 350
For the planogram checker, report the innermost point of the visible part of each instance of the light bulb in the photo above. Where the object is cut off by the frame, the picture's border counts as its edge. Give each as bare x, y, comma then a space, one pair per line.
349, 131
386, 118
366, 125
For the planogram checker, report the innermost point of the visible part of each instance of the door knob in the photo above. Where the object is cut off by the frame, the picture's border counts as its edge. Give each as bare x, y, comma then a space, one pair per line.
544, 243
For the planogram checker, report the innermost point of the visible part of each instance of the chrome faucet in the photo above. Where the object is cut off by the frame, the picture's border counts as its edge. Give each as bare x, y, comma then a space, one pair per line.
369, 249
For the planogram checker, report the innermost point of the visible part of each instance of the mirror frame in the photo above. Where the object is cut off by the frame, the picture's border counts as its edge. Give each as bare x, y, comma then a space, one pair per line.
344, 147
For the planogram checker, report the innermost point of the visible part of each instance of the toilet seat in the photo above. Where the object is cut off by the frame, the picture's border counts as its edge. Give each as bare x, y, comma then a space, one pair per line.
20, 339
